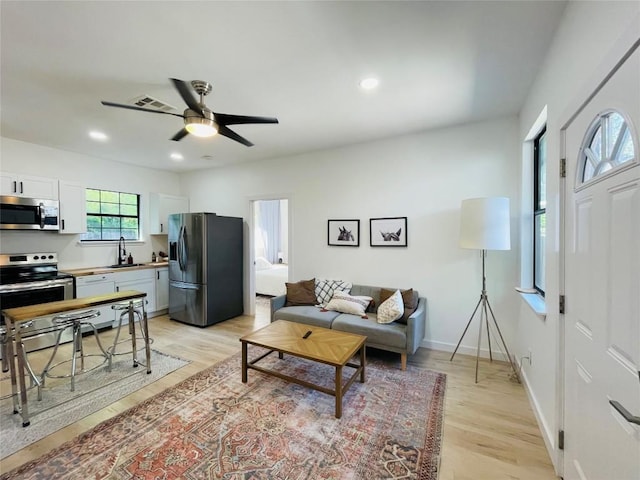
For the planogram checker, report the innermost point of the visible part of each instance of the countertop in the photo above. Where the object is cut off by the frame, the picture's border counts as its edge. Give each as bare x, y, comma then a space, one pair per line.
80, 272
23, 314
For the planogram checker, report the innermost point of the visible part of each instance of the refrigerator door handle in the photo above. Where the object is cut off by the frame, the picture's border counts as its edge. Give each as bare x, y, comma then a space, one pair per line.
185, 248
180, 247
185, 286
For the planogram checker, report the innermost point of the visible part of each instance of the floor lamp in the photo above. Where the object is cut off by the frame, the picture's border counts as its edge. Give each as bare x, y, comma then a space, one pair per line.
485, 225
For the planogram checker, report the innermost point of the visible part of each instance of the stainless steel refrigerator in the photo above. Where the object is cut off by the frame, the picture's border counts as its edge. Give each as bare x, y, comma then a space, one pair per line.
205, 268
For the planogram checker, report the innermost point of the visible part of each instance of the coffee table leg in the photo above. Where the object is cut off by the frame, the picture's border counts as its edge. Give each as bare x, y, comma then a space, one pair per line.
363, 361
339, 391
244, 362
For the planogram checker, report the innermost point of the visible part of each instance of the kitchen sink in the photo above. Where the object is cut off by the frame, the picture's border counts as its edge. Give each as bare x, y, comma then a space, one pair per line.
124, 265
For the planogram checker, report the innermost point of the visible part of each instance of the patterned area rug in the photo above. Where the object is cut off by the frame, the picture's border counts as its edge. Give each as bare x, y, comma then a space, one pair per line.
60, 407
213, 426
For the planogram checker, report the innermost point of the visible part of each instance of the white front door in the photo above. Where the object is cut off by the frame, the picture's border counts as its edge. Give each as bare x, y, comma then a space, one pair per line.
602, 282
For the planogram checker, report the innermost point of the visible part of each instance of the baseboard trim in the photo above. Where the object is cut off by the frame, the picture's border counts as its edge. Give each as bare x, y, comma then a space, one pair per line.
548, 435
464, 350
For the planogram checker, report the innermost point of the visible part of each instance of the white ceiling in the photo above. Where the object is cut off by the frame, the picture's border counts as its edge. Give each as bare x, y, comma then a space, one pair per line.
439, 64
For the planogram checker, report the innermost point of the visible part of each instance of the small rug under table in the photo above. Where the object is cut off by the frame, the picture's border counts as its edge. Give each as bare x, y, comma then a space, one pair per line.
212, 425
60, 406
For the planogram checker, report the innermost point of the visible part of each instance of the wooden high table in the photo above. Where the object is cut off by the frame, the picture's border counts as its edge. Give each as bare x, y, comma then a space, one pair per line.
13, 317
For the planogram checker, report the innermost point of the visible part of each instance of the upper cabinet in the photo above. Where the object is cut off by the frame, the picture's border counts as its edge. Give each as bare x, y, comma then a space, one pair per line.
161, 206
73, 207
28, 186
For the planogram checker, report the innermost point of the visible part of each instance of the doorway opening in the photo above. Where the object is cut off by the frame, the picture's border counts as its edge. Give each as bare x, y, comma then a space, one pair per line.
270, 248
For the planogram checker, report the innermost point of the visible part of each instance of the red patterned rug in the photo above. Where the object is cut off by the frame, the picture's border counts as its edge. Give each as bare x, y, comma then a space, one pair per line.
213, 426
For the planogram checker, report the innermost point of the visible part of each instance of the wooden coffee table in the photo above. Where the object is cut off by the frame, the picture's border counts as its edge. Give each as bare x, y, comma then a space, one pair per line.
323, 345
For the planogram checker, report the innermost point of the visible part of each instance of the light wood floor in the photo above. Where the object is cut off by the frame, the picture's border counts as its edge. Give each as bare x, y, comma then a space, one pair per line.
489, 430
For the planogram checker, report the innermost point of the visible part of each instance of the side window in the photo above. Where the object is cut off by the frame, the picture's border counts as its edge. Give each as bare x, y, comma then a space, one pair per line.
539, 209
111, 215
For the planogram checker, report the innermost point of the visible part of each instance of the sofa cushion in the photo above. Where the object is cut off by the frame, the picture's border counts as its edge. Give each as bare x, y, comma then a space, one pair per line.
389, 334
409, 298
391, 309
325, 289
345, 303
309, 315
301, 293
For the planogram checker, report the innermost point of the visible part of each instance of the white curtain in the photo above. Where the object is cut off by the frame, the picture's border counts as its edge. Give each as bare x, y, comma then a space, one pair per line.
269, 224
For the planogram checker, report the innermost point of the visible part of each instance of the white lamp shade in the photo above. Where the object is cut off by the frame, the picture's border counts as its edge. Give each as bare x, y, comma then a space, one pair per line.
485, 224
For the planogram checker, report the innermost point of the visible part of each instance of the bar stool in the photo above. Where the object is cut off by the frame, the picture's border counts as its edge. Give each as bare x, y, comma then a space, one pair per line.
75, 321
132, 310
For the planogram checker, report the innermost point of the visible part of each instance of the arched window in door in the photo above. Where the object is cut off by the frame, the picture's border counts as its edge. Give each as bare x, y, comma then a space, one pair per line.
607, 145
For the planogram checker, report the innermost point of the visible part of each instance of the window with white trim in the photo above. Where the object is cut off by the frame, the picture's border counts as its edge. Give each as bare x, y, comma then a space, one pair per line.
111, 215
539, 209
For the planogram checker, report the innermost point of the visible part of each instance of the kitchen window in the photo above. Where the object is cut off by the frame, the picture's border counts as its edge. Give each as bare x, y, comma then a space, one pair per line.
111, 215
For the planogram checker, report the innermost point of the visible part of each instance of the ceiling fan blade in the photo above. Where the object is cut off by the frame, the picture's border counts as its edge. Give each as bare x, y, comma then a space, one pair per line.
185, 92
180, 135
226, 119
132, 107
227, 132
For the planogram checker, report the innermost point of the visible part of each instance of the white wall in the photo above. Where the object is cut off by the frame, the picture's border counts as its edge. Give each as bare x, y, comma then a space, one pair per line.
30, 159
423, 177
586, 35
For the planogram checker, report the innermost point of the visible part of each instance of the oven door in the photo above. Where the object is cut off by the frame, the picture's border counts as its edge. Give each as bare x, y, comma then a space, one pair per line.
33, 293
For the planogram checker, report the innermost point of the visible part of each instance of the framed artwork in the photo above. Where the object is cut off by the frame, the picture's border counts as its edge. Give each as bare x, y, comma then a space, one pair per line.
388, 232
344, 233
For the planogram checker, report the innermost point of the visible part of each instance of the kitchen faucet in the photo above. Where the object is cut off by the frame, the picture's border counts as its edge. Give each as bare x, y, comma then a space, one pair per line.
122, 253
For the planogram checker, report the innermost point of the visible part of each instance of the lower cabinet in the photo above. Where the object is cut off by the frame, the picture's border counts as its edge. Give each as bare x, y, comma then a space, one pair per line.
141, 280
162, 288
152, 281
90, 285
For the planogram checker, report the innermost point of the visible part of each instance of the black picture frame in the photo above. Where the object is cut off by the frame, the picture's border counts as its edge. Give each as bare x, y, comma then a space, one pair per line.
343, 233
388, 232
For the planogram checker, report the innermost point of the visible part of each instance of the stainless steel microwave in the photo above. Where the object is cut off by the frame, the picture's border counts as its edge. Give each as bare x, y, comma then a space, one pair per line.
18, 213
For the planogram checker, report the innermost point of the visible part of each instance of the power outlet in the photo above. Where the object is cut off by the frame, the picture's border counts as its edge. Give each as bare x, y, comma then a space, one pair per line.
530, 357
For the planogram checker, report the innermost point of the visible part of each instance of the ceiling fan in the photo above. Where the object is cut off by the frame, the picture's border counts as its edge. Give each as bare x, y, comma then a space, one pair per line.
199, 120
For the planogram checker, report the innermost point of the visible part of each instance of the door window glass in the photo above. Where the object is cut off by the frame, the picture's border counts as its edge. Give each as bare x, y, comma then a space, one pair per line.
607, 145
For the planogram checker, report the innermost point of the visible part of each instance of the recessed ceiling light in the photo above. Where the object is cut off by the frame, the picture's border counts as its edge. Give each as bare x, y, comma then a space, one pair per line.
177, 156
98, 135
369, 83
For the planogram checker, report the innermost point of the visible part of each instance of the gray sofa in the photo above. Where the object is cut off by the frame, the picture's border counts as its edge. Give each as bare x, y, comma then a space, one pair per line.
394, 337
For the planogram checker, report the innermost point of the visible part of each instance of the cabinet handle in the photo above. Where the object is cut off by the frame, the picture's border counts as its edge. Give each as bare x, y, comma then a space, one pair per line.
63, 224
158, 273
117, 289
161, 228
15, 187
21, 189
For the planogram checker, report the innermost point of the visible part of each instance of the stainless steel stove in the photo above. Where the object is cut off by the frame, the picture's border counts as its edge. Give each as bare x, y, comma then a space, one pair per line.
32, 278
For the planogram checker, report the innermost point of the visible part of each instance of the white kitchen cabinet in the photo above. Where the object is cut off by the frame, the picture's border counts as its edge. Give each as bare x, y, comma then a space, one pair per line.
140, 280
90, 285
73, 207
28, 186
162, 205
162, 288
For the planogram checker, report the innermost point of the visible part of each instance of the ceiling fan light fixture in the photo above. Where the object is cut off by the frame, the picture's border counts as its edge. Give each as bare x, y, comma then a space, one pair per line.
201, 127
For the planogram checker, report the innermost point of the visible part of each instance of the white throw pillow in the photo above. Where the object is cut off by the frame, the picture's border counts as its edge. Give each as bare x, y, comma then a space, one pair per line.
263, 264
391, 309
344, 303
326, 288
